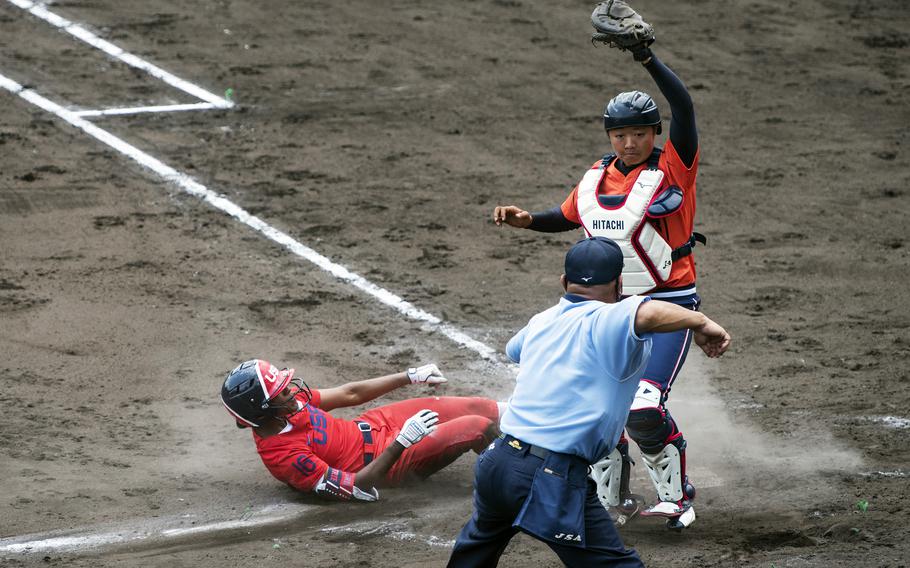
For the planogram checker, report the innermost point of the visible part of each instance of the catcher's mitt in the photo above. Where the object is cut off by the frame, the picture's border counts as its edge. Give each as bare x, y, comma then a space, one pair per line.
618, 25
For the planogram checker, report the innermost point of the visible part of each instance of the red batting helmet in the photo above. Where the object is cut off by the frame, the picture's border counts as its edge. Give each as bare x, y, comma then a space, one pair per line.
249, 388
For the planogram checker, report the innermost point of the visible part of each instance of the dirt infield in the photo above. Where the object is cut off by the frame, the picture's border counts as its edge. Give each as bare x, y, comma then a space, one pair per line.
382, 135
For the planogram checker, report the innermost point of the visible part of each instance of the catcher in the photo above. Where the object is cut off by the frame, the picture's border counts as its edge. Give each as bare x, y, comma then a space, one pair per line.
304, 446
642, 197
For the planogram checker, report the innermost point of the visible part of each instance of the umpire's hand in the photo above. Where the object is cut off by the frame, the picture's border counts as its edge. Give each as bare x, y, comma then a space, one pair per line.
712, 338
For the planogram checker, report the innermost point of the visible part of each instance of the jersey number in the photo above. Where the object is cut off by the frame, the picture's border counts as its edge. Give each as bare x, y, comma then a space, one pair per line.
305, 465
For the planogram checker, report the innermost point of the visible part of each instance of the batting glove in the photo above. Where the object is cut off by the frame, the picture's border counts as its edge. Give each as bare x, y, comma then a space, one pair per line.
429, 374
417, 427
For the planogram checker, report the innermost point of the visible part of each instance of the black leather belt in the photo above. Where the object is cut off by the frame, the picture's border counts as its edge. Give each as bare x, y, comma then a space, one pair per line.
367, 432
517, 444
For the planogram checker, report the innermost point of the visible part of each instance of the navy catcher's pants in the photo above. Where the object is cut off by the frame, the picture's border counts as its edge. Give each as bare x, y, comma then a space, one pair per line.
669, 350
653, 428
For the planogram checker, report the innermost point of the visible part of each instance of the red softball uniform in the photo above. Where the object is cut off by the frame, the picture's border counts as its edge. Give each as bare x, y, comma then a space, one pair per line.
314, 441
676, 228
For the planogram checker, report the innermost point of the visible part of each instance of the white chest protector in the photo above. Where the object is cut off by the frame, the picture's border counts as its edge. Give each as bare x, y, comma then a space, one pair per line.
647, 256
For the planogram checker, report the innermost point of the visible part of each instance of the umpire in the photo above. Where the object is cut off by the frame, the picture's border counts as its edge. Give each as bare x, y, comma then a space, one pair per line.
580, 364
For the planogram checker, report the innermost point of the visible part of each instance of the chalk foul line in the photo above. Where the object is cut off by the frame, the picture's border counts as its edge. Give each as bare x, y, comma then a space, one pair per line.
171, 529
116, 52
145, 109
196, 189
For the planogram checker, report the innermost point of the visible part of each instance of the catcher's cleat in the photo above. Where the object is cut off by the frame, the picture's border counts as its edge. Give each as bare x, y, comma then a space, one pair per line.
679, 515
683, 521
669, 509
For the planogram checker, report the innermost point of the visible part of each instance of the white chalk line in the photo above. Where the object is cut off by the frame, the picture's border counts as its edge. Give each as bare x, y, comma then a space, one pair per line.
896, 422
895, 473
58, 541
196, 189
82, 542
116, 52
145, 109
392, 529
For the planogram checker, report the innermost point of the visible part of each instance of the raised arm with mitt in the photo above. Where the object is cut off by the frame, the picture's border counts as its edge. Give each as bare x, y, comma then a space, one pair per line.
618, 25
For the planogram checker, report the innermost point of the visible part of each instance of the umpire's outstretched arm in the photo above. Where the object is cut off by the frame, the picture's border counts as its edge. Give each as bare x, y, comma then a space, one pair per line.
656, 316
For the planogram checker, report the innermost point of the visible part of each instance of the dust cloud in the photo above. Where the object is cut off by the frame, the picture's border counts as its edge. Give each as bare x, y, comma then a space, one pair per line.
727, 449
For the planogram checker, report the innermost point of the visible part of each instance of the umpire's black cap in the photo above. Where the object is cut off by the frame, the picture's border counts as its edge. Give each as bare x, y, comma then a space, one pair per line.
596, 260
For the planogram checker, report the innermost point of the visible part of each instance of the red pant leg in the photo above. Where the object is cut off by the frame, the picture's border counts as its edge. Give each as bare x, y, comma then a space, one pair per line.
393, 416
465, 423
442, 447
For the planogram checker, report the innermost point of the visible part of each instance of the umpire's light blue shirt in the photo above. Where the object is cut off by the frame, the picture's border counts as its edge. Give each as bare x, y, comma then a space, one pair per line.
581, 362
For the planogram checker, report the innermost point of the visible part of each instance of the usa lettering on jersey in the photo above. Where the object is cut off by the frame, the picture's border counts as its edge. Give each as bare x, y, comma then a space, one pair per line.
319, 422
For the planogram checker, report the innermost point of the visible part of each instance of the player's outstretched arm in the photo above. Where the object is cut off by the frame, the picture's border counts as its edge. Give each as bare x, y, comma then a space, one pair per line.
511, 215
618, 25
683, 132
360, 392
549, 221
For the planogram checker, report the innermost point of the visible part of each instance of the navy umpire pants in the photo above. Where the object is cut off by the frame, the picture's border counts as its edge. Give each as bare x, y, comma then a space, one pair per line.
503, 477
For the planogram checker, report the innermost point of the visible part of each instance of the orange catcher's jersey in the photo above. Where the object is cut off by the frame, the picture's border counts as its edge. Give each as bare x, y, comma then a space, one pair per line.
312, 442
675, 228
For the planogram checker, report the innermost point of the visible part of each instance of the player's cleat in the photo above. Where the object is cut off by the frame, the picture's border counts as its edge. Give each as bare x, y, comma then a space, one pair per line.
679, 514
683, 521
667, 509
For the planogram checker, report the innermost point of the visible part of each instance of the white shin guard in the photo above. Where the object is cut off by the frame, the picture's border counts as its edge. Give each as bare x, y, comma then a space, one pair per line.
665, 470
607, 474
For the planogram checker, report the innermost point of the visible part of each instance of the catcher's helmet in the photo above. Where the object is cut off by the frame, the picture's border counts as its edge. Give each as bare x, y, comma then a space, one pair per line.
633, 108
250, 387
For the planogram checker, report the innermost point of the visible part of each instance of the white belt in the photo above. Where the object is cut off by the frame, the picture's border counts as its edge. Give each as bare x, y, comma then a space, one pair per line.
673, 293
